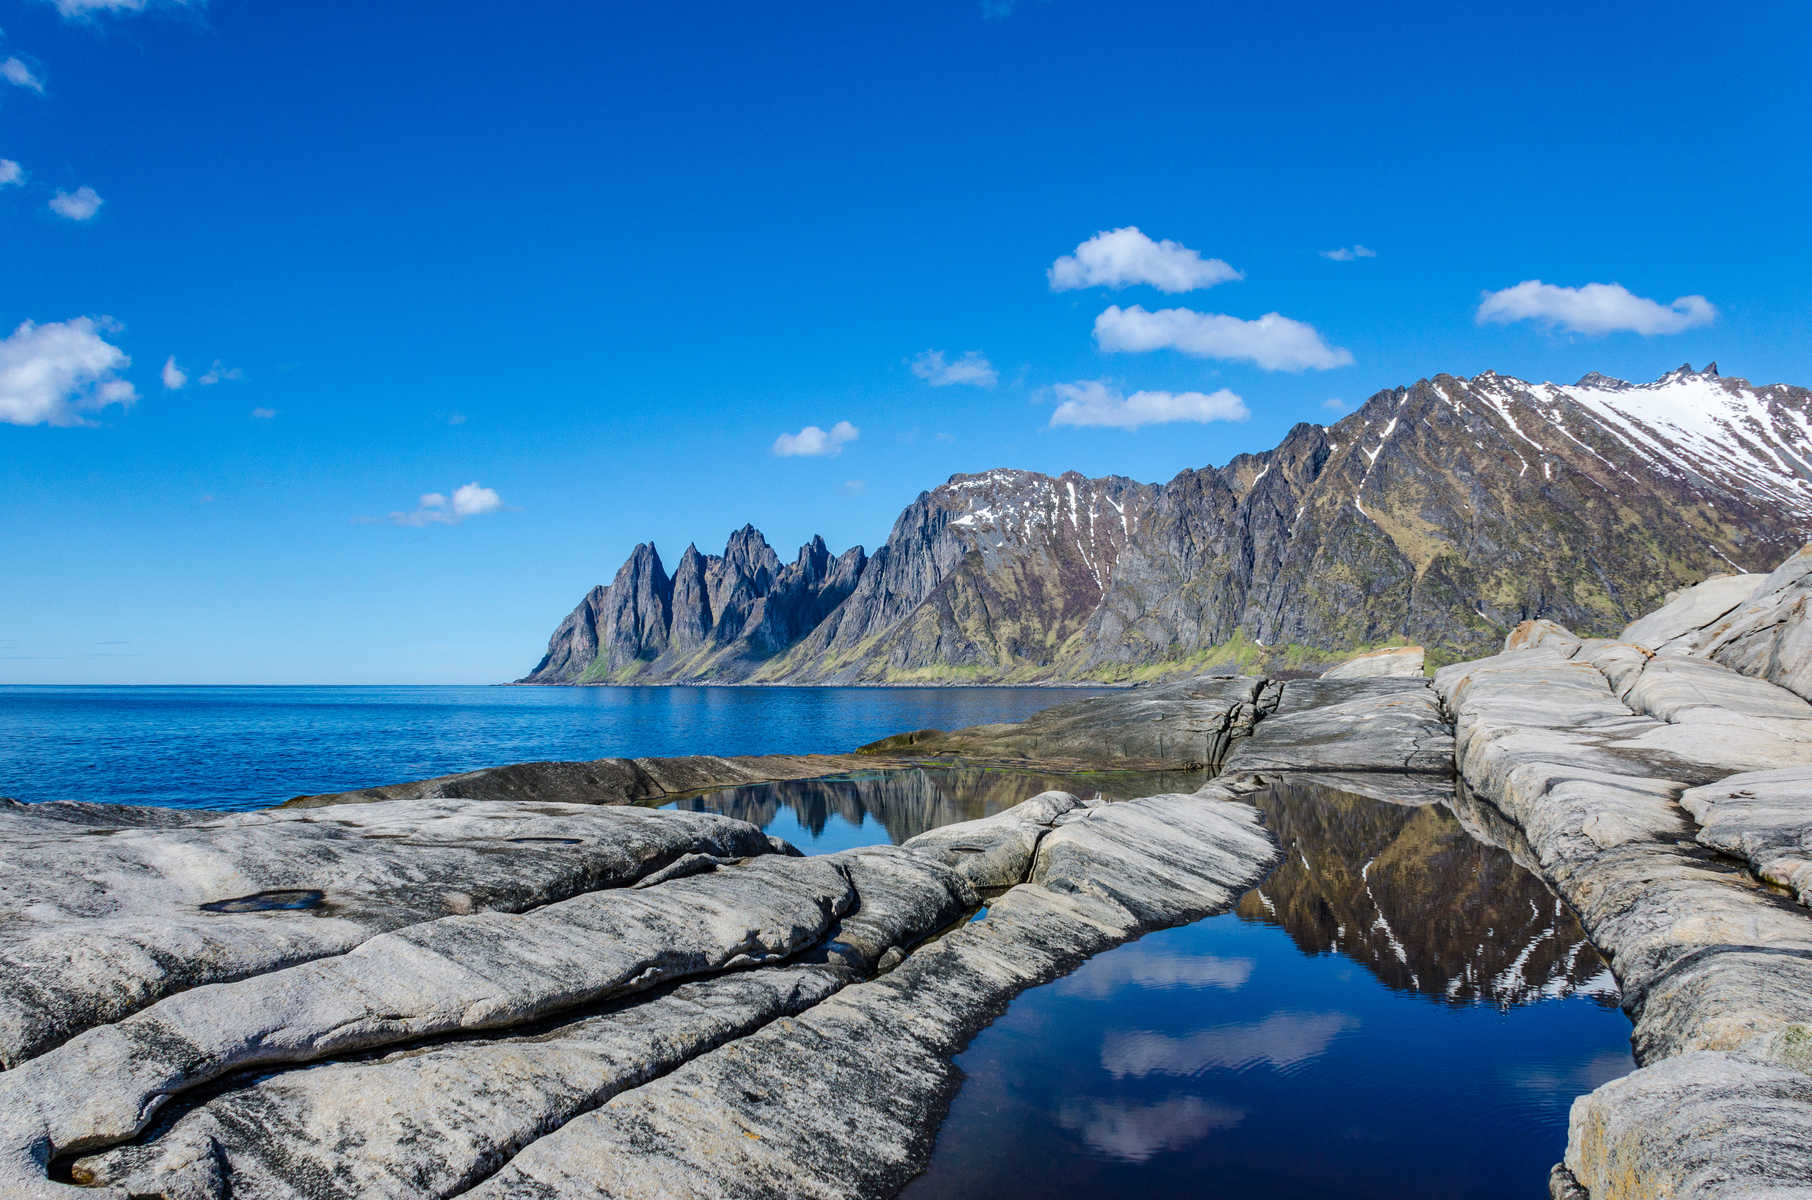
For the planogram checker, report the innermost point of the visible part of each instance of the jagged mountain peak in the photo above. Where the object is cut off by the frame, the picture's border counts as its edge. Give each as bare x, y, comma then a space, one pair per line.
716, 617
1443, 512
1607, 383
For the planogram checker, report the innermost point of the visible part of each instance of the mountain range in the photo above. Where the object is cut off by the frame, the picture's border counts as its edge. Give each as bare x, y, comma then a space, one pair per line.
1441, 513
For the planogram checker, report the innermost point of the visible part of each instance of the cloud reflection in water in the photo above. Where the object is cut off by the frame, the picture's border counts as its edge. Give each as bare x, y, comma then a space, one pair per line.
1281, 1041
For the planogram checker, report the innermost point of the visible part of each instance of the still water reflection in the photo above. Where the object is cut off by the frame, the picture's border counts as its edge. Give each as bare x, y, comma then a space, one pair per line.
1397, 1010
876, 807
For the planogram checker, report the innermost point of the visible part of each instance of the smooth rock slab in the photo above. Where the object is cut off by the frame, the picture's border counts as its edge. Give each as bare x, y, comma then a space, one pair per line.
435, 1120
1679, 625
453, 975
601, 780
109, 908
1694, 691
1394, 661
1375, 725
433, 1059
996, 852
1770, 636
1708, 1126
1189, 724
1763, 817
842, 1101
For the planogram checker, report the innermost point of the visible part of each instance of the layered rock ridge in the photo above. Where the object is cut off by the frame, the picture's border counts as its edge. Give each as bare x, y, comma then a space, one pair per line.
554, 983
1440, 514
1663, 783
602, 780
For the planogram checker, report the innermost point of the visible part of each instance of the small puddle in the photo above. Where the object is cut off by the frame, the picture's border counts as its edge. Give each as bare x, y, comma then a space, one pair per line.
277, 900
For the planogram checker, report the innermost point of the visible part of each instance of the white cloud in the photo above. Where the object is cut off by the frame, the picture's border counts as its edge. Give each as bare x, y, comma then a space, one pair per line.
79, 205
1118, 258
855, 487
1093, 404
1147, 968
972, 368
813, 441
470, 500
1135, 1133
15, 72
437, 508
52, 374
1596, 308
1273, 342
1281, 1041
11, 173
76, 10
270, 414
218, 373
1349, 253
174, 376
1335, 404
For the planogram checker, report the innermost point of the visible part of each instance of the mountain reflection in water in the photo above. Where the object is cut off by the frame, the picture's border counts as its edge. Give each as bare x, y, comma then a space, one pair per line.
1418, 901
1399, 1009
1404, 891
835, 813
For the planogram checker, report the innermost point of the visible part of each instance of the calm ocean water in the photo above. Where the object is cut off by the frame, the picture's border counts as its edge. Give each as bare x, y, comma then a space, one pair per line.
247, 747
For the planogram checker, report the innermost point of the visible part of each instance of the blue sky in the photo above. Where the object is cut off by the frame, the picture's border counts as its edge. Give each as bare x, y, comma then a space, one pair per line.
597, 260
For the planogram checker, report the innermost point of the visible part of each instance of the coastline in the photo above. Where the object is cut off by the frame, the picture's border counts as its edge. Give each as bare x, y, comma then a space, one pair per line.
1648, 782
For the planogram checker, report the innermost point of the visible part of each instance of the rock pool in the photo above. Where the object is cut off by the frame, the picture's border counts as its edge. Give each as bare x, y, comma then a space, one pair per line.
1399, 1009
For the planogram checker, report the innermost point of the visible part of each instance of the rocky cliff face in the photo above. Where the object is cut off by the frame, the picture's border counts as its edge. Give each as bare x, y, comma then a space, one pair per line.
1442, 513
987, 576
715, 618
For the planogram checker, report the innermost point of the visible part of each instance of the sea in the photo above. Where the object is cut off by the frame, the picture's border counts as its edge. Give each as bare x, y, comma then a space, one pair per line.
237, 748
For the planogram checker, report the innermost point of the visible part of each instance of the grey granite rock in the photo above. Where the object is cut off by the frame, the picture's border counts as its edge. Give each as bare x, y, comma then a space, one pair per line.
1770, 636
1387, 725
1384, 787
996, 852
433, 1121
1184, 725
1693, 691
492, 1029
603, 780
1391, 662
1764, 818
470, 1103
453, 975
108, 912
841, 1101
1704, 1125
1679, 625
1530, 634
1584, 754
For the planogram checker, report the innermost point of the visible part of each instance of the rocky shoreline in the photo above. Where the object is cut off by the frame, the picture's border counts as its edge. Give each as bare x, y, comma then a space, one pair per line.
1668, 798
524, 982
